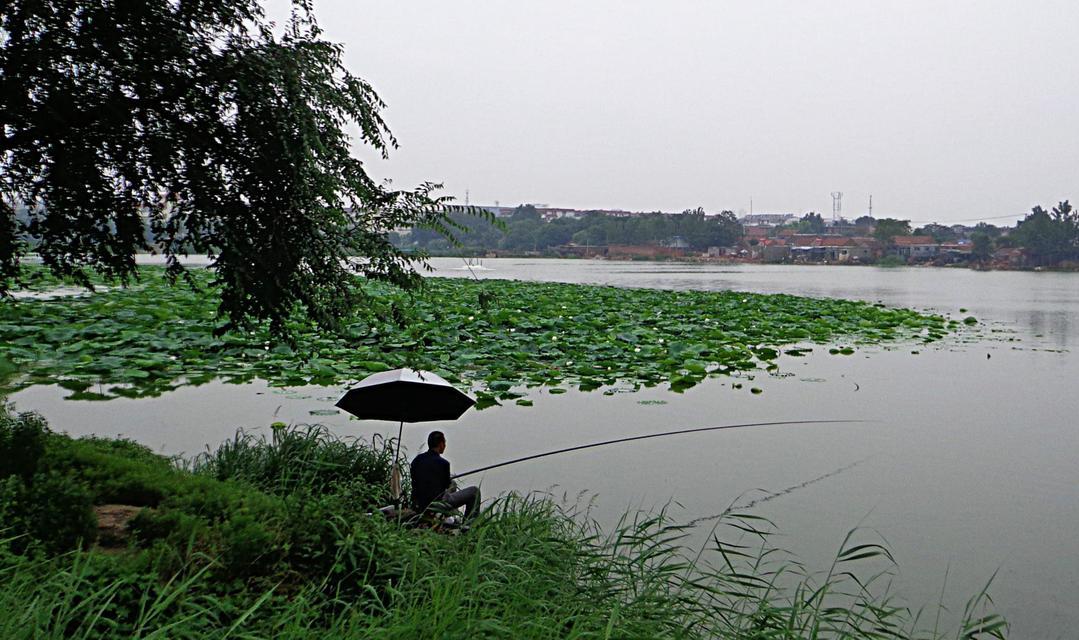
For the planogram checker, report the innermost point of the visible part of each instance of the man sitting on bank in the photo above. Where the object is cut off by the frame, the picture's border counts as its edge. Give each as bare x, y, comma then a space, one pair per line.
431, 480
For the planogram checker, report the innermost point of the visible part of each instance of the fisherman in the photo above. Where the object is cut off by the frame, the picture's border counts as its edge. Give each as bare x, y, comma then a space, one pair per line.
431, 481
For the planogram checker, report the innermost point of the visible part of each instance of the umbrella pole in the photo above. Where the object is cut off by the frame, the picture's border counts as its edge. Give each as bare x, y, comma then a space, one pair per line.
396, 457
400, 429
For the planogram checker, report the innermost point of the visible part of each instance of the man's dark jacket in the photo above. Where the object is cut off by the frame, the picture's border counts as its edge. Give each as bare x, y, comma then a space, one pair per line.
430, 478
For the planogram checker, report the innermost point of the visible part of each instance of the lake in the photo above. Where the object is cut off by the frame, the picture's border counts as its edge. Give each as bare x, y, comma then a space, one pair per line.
966, 466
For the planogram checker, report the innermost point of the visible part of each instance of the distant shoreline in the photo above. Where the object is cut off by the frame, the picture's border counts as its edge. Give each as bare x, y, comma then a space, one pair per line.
149, 259
730, 262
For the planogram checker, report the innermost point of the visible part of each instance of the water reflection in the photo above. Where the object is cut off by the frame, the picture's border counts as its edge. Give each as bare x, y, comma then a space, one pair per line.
1054, 323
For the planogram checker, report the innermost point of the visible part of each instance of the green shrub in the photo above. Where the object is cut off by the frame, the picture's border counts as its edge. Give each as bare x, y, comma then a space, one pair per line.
128, 450
39, 507
61, 515
14, 514
176, 528
53, 512
109, 468
248, 546
22, 442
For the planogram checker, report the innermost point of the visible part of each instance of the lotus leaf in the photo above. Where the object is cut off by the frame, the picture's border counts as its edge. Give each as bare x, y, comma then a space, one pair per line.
154, 337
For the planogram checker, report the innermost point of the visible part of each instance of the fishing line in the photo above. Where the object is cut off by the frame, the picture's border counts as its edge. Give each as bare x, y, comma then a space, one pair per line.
469, 267
650, 435
777, 494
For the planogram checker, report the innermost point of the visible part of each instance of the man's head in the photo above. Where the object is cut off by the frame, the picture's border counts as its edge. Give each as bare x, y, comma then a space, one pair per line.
436, 441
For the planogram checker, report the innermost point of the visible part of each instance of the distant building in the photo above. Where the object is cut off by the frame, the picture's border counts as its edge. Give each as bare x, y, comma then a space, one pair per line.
754, 233
616, 213
916, 247
766, 219
629, 251
818, 248
676, 242
833, 248
573, 250
773, 250
816, 239
1011, 256
552, 213
497, 211
953, 252
860, 250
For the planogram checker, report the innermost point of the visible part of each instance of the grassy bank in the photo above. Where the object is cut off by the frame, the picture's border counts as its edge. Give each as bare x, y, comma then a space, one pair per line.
498, 336
271, 538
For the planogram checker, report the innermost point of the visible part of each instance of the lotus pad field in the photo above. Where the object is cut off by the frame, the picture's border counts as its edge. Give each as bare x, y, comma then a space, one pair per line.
498, 336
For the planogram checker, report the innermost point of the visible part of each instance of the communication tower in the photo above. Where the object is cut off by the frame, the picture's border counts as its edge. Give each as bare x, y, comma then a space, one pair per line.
837, 205
871, 205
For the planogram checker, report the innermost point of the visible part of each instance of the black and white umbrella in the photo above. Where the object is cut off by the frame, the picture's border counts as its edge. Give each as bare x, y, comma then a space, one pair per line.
405, 395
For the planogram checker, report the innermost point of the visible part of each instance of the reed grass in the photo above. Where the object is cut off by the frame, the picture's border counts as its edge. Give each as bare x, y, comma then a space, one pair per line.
294, 458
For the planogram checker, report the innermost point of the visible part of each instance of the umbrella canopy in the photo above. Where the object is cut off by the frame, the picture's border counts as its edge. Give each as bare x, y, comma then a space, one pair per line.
405, 395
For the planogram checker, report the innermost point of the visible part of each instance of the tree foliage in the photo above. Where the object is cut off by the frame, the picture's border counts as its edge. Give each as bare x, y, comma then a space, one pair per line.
193, 126
1050, 236
981, 245
525, 230
939, 232
811, 222
990, 230
888, 228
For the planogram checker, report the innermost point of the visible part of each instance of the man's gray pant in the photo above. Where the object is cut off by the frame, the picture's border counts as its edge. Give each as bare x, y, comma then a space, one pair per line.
469, 497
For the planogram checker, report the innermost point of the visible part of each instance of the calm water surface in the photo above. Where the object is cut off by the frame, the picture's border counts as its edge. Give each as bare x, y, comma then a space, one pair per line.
969, 465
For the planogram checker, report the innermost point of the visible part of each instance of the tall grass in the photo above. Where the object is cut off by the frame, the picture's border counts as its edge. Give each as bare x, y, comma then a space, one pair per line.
265, 538
757, 590
528, 570
307, 458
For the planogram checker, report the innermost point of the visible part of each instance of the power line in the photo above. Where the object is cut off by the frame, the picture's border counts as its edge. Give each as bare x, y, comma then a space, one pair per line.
982, 219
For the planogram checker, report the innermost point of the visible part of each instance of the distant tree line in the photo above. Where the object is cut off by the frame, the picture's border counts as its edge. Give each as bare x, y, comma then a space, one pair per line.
1047, 238
526, 231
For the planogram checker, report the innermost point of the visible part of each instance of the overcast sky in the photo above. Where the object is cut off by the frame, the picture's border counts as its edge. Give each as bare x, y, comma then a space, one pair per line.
943, 111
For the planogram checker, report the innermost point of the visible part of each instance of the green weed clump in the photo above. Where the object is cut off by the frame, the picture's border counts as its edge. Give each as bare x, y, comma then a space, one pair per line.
47, 507
309, 459
234, 546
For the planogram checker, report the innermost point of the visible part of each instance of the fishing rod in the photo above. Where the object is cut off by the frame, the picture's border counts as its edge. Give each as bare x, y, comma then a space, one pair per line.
469, 267
650, 435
